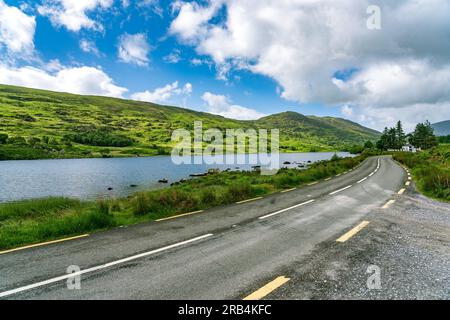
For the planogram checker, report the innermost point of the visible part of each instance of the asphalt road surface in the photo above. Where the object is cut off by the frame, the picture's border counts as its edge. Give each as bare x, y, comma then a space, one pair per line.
224, 253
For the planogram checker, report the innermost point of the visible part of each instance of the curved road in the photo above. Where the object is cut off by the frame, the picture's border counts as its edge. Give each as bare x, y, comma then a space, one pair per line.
223, 253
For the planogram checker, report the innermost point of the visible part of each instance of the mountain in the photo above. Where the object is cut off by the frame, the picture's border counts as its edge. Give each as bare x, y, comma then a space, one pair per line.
313, 133
46, 124
442, 128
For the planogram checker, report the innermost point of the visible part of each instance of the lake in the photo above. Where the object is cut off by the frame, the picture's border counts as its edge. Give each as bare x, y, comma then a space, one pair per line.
91, 178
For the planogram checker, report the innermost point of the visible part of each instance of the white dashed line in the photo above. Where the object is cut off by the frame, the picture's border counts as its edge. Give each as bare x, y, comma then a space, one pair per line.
362, 180
340, 190
284, 210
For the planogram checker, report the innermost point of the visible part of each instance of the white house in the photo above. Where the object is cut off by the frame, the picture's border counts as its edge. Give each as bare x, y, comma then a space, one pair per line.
410, 148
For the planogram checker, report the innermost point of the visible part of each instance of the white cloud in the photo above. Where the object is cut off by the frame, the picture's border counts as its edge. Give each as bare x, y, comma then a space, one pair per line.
220, 105
54, 65
301, 44
388, 116
89, 47
72, 14
153, 5
79, 80
164, 94
134, 49
16, 30
173, 57
191, 22
347, 111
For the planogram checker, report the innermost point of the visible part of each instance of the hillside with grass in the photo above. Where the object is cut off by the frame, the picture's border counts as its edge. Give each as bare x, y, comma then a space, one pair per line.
441, 128
38, 124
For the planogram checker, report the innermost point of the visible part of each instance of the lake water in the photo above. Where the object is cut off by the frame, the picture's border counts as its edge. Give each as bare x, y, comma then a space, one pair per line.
91, 178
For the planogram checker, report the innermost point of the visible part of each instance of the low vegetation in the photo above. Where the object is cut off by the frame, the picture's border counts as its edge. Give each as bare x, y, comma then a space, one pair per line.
430, 169
40, 220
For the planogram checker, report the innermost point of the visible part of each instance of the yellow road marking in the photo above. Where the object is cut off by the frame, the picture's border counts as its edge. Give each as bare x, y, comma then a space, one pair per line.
244, 201
402, 191
288, 190
352, 232
44, 243
388, 204
313, 183
338, 175
327, 179
179, 215
268, 288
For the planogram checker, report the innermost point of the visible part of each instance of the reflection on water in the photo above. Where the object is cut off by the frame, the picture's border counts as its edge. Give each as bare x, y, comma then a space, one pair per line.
91, 178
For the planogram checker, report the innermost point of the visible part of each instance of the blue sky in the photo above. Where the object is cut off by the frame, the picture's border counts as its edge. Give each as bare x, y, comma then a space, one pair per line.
240, 59
241, 87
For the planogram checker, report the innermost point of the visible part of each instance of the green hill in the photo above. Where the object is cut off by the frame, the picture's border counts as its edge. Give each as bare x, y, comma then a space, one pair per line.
45, 124
442, 128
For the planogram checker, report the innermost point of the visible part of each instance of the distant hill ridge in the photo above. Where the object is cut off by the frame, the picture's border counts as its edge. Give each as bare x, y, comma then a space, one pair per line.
441, 128
41, 114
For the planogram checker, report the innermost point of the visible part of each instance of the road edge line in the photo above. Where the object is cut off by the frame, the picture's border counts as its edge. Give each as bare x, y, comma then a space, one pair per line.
44, 243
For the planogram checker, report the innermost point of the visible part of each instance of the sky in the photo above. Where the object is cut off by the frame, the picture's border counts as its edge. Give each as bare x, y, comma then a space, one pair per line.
241, 59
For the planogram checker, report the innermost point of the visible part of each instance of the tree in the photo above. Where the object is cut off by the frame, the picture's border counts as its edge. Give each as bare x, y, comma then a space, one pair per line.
382, 144
392, 139
3, 138
444, 139
368, 145
423, 136
401, 137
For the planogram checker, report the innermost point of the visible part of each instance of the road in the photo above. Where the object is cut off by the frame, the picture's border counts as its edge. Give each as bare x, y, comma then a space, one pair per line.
224, 253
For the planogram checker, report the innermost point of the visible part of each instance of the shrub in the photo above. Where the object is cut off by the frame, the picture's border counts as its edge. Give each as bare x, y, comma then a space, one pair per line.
100, 138
238, 191
140, 204
103, 205
207, 196
3, 138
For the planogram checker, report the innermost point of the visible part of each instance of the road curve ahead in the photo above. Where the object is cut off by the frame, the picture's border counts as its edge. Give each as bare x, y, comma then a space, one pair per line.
231, 252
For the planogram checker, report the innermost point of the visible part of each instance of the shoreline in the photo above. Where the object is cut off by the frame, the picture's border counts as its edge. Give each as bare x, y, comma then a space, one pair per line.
163, 155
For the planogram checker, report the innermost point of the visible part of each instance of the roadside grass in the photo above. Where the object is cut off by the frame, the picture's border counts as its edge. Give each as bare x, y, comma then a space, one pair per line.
33, 221
430, 169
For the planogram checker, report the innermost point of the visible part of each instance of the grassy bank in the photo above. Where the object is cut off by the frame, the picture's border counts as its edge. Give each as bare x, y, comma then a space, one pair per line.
40, 220
430, 169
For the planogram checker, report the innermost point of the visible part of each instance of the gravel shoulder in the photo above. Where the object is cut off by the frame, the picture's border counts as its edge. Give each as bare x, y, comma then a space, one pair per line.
409, 243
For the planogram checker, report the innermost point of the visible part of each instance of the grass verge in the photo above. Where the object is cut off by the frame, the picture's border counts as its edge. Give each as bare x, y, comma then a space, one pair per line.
430, 169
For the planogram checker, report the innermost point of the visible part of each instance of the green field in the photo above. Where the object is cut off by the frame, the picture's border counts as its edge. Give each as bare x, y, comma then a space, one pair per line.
38, 124
38, 220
